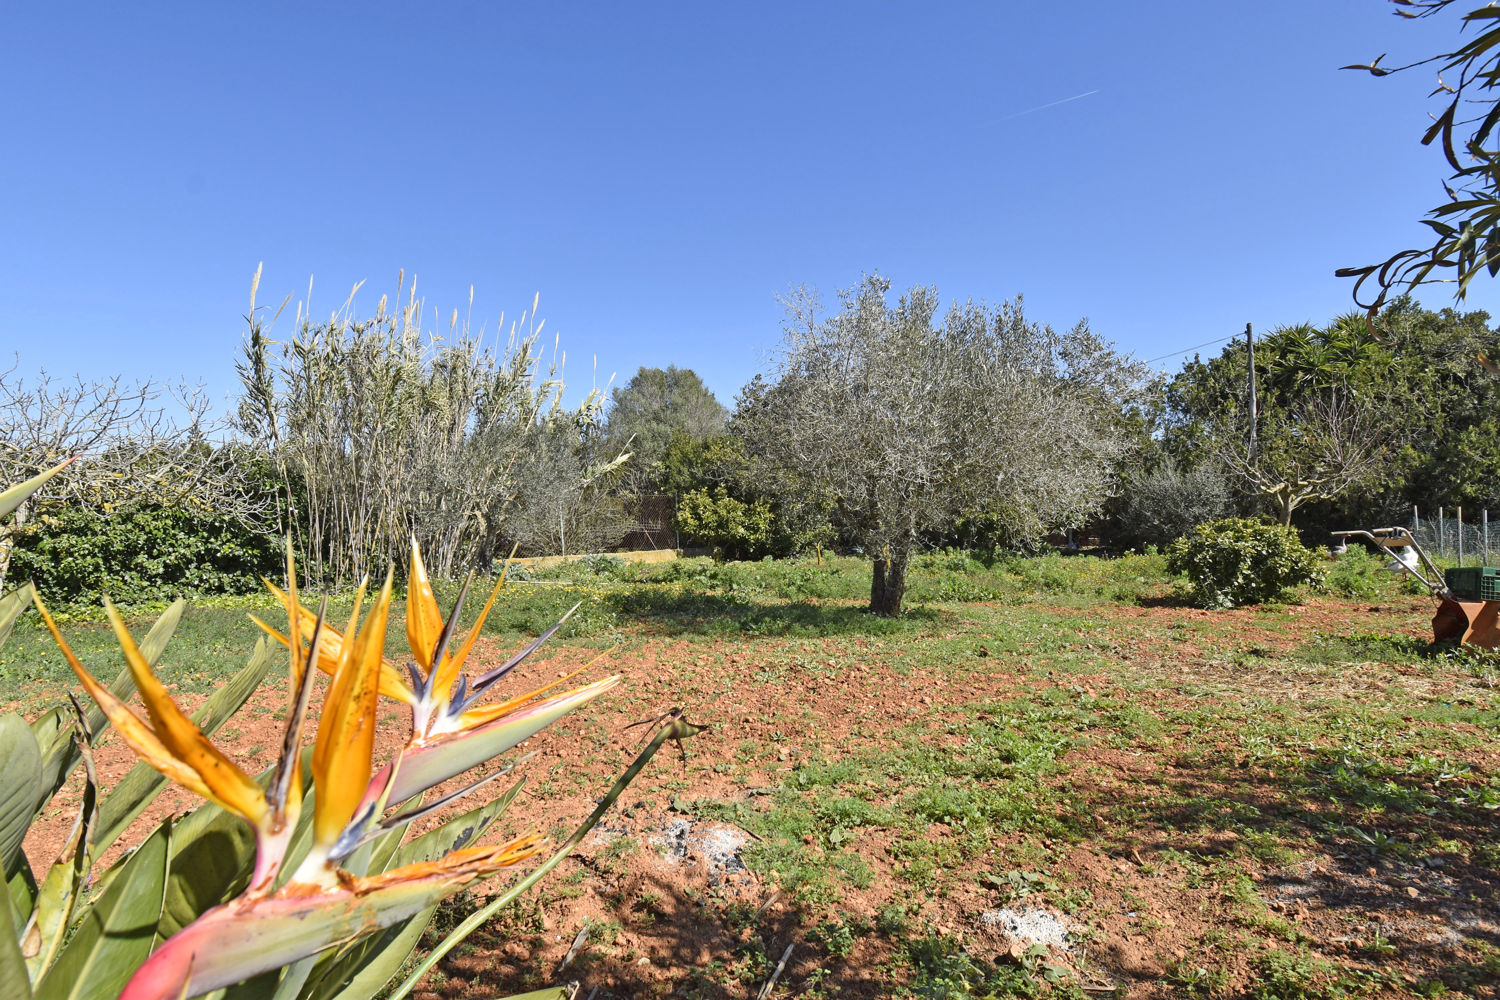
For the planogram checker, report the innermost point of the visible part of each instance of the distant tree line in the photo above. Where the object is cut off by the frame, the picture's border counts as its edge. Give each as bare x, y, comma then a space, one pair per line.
886, 425
1358, 421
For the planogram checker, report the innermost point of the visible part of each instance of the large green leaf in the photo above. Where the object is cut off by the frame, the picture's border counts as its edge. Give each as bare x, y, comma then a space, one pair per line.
13, 981
143, 783
213, 857
11, 606
16, 495
20, 774
208, 868
116, 933
21, 888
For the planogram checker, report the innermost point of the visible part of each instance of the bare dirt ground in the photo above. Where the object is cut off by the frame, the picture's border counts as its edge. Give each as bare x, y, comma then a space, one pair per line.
1159, 899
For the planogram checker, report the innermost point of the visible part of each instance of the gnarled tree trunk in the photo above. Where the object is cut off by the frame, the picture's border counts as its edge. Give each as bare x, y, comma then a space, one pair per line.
888, 585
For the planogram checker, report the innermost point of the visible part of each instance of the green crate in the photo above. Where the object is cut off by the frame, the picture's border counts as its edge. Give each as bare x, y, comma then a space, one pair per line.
1474, 583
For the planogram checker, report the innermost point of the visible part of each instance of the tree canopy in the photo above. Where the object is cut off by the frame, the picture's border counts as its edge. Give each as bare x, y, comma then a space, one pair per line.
655, 406
1431, 410
906, 422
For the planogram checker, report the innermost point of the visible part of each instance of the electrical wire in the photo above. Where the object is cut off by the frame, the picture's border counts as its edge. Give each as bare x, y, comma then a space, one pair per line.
1173, 354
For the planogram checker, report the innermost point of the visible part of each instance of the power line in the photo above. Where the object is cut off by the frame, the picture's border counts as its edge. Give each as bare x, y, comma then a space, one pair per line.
1195, 347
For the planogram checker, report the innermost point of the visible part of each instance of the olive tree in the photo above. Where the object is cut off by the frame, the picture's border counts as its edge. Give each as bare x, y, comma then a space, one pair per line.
907, 423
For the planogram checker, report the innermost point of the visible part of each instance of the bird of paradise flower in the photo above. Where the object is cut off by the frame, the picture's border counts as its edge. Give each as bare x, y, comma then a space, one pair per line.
285, 915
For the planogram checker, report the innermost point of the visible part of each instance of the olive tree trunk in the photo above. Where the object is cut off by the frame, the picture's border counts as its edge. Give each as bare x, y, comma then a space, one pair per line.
888, 584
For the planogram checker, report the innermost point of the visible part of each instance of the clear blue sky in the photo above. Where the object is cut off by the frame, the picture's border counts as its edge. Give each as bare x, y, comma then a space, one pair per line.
660, 172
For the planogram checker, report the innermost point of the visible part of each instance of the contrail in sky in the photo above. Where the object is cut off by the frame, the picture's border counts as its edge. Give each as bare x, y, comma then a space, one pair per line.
1044, 107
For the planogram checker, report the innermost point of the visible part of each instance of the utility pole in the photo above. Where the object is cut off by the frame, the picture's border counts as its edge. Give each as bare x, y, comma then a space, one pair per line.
1250, 343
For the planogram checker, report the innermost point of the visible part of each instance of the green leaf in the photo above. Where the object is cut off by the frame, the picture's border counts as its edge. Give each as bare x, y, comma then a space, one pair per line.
13, 980
143, 783
677, 729
379, 960
117, 932
20, 775
21, 888
58, 894
212, 864
15, 496
11, 606
213, 857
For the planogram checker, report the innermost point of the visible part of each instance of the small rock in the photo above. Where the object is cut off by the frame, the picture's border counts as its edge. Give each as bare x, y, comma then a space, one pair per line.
1030, 926
1411, 891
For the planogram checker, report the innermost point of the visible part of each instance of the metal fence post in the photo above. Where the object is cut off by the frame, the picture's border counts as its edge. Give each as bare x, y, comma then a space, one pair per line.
1442, 533
1459, 527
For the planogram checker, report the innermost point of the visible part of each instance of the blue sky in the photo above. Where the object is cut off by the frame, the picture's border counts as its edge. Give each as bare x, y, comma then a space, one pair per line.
660, 172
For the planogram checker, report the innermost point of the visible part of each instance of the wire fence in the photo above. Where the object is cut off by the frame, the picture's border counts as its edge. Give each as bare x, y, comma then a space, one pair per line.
1466, 537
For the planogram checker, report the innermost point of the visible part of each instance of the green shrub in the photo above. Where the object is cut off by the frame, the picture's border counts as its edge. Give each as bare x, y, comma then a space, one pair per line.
610, 567
1161, 506
1238, 561
1362, 575
735, 529
80, 554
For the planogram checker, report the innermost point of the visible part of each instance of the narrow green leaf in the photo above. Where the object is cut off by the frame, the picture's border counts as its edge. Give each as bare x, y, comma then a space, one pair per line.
367, 965
13, 980
116, 933
380, 959
11, 606
20, 774
156, 640
15, 496
58, 894
677, 729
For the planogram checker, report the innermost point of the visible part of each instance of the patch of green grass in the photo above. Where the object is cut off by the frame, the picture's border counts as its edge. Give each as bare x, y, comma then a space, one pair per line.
1302, 975
210, 644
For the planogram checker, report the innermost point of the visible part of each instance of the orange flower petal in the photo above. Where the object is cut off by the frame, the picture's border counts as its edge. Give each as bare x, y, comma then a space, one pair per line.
392, 685
131, 729
451, 667
482, 714
466, 864
235, 789
424, 622
346, 732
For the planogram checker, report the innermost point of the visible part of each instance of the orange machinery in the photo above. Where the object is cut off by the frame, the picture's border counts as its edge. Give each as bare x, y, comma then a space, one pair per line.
1463, 619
